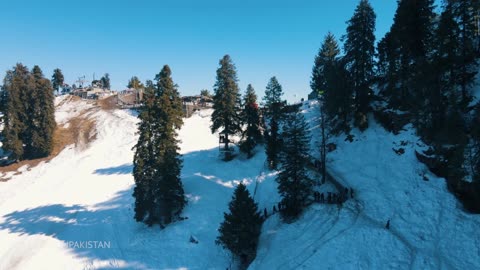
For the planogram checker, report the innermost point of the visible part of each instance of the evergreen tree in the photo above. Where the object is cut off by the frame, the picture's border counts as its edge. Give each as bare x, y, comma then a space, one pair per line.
29, 113
327, 55
159, 194
465, 13
273, 111
42, 117
251, 118
135, 83
205, 93
226, 103
294, 185
359, 50
331, 81
144, 168
405, 50
16, 85
241, 227
338, 96
273, 99
105, 81
57, 79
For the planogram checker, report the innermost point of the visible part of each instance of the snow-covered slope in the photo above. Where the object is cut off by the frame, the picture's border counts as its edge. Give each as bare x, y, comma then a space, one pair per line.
85, 195
428, 229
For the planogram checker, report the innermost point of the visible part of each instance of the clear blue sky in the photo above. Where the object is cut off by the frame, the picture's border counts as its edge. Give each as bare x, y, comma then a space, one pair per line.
126, 38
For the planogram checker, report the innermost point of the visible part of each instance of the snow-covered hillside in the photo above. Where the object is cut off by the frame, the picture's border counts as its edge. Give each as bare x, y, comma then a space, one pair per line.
428, 229
85, 194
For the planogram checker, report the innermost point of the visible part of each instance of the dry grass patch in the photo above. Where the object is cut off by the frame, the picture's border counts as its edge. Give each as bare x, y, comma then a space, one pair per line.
108, 104
79, 131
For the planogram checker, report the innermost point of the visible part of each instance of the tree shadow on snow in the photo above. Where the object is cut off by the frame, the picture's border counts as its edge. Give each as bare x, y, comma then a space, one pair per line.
208, 183
122, 169
75, 225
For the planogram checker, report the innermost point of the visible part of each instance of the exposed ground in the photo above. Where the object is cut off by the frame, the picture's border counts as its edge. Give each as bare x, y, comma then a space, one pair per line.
77, 130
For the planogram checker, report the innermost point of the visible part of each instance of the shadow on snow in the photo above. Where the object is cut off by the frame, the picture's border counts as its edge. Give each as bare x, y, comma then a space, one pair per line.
208, 184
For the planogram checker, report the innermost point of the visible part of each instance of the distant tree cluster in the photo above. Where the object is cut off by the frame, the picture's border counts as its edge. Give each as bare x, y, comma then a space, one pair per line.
27, 103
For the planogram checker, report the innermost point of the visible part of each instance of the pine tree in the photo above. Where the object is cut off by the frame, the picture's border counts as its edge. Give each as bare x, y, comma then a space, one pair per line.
29, 113
273, 98
105, 81
406, 50
327, 54
251, 118
57, 79
144, 168
135, 83
159, 194
16, 84
42, 117
338, 96
241, 227
205, 93
294, 185
226, 103
359, 50
273, 111
465, 13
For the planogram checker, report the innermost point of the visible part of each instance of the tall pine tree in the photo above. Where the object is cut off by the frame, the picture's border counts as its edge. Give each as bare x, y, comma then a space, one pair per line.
326, 56
405, 50
226, 103
359, 50
294, 185
42, 116
251, 119
159, 194
466, 13
57, 79
273, 111
241, 227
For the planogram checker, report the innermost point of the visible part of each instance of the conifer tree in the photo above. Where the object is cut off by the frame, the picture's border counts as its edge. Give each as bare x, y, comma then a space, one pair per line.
466, 13
273, 111
29, 113
42, 116
159, 194
251, 118
327, 54
57, 79
241, 227
338, 96
273, 98
226, 103
406, 50
105, 81
332, 82
359, 50
144, 167
135, 83
16, 84
205, 93
294, 185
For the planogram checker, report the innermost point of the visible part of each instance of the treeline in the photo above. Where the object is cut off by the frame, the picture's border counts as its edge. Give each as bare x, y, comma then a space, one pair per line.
158, 192
27, 105
283, 132
422, 72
